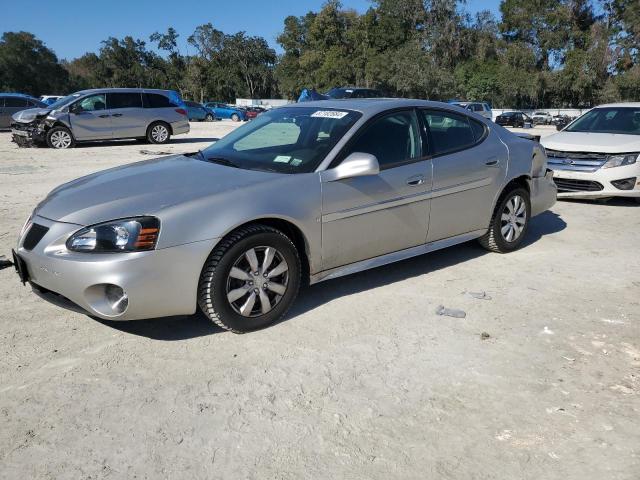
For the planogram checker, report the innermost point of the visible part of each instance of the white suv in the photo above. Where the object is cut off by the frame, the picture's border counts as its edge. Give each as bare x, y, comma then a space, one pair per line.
597, 155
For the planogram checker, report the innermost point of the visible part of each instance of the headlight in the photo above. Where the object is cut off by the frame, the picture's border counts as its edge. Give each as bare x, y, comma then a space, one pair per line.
620, 160
126, 235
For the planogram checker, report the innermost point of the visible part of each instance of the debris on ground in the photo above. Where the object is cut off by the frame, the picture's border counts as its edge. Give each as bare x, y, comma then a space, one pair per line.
485, 336
4, 263
478, 295
547, 331
450, 312
151, 152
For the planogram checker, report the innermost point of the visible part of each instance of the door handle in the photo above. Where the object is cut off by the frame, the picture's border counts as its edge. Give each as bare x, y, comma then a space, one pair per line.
415, 180
492, 162
103, 116
116, 115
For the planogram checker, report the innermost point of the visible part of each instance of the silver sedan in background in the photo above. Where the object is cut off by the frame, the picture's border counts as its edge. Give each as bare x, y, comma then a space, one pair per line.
304, 193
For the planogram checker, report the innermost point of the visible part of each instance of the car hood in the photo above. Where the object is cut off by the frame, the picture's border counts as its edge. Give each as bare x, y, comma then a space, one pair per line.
143, 188
592, 142
30, 114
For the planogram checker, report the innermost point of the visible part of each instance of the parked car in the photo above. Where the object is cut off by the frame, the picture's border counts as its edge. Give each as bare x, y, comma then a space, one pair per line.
11, 103
50, 99
513, 119
367, 183
103, 114
481, 108
542, 118
353, 92
253, 112
197, 111
222, 110
598, 155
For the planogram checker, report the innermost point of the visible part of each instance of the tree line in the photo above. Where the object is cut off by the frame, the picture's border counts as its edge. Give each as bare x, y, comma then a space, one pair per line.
539, 53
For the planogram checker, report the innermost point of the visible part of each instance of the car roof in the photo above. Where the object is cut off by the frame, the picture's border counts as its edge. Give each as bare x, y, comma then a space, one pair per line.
372, 106
21, 95
122, 90
619, 105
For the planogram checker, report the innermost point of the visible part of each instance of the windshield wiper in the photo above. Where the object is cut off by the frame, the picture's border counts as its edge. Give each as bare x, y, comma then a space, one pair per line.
222, 161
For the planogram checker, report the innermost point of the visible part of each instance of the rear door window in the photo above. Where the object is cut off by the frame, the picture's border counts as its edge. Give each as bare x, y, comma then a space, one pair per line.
450, 131
124, 100
12, 102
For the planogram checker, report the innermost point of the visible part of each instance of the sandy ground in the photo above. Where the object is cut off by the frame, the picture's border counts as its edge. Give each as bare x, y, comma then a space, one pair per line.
362, 380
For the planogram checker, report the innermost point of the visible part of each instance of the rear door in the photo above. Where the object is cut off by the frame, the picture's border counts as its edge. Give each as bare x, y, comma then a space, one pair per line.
469, 165
90, 119
369, 216
127, 117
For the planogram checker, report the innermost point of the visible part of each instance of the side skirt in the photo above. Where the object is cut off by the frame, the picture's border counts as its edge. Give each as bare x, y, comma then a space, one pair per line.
393, 257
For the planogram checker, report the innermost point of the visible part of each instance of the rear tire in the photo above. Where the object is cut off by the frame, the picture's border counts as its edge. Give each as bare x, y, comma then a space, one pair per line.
158, 132
60, 138
250, 280
209, 118
509, 223
235, 117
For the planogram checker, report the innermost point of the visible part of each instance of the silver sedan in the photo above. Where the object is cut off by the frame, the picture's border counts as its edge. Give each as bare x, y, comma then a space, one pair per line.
304, 193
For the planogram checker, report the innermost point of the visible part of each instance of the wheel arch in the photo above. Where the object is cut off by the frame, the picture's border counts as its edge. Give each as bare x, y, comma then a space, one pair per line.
291, 230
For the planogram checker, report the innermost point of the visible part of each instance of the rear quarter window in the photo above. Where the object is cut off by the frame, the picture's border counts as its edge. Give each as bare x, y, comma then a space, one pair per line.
157, 100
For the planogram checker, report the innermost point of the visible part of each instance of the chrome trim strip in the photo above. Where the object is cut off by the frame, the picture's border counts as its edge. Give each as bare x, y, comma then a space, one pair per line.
393, 257
374, 207
460, 187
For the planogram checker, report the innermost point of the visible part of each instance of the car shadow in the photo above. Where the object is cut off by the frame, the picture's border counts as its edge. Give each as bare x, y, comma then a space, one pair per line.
610, 202
314, 296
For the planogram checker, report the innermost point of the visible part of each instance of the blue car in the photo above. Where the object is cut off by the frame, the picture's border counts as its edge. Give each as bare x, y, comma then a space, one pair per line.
197, 111
222, 110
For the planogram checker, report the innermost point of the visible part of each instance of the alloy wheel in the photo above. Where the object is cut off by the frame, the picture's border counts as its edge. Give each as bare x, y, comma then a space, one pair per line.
257, 281
159, 133
513, 218
60, 139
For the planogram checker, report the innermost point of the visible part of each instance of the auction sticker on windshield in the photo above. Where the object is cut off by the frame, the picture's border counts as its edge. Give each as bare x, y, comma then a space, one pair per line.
328, 114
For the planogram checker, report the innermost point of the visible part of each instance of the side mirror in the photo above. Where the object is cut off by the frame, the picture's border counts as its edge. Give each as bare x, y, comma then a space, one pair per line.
357, 164
75, 108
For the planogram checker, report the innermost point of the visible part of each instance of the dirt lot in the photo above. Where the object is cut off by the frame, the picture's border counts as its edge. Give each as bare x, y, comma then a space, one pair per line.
362, 380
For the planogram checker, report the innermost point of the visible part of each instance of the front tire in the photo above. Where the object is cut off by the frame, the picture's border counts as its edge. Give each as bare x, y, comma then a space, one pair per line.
250, 280
59, 138
158, 132
509, 223
208, 118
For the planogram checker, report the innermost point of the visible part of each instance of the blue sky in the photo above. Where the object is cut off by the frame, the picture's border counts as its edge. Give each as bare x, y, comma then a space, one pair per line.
74, 27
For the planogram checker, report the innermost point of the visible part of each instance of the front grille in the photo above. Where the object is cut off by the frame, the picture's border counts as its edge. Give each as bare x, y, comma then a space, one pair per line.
570, 185
33, 236
575, 161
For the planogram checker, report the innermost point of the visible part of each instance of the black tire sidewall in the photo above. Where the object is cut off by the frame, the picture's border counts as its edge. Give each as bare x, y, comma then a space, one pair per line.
150, 137
56, 129
230, 317
501, 242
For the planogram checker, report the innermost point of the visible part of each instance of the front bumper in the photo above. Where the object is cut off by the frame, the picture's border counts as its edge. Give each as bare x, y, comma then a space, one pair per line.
26, 135
157, 283
603, 177
543, 193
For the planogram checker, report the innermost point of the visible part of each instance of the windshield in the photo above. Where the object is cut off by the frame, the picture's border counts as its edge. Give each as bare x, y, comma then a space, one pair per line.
623, 120
508, 114
64, 101
286, 140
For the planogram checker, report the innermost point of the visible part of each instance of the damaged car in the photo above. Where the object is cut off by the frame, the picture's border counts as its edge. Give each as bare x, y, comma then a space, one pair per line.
103, 114
302, 194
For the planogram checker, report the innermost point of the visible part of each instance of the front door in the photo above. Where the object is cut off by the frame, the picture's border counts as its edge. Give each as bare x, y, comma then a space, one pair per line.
468, 168
90, 119
365, 217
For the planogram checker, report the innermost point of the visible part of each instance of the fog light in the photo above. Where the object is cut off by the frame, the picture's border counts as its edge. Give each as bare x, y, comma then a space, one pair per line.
107, 299
117, 298
624, 184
